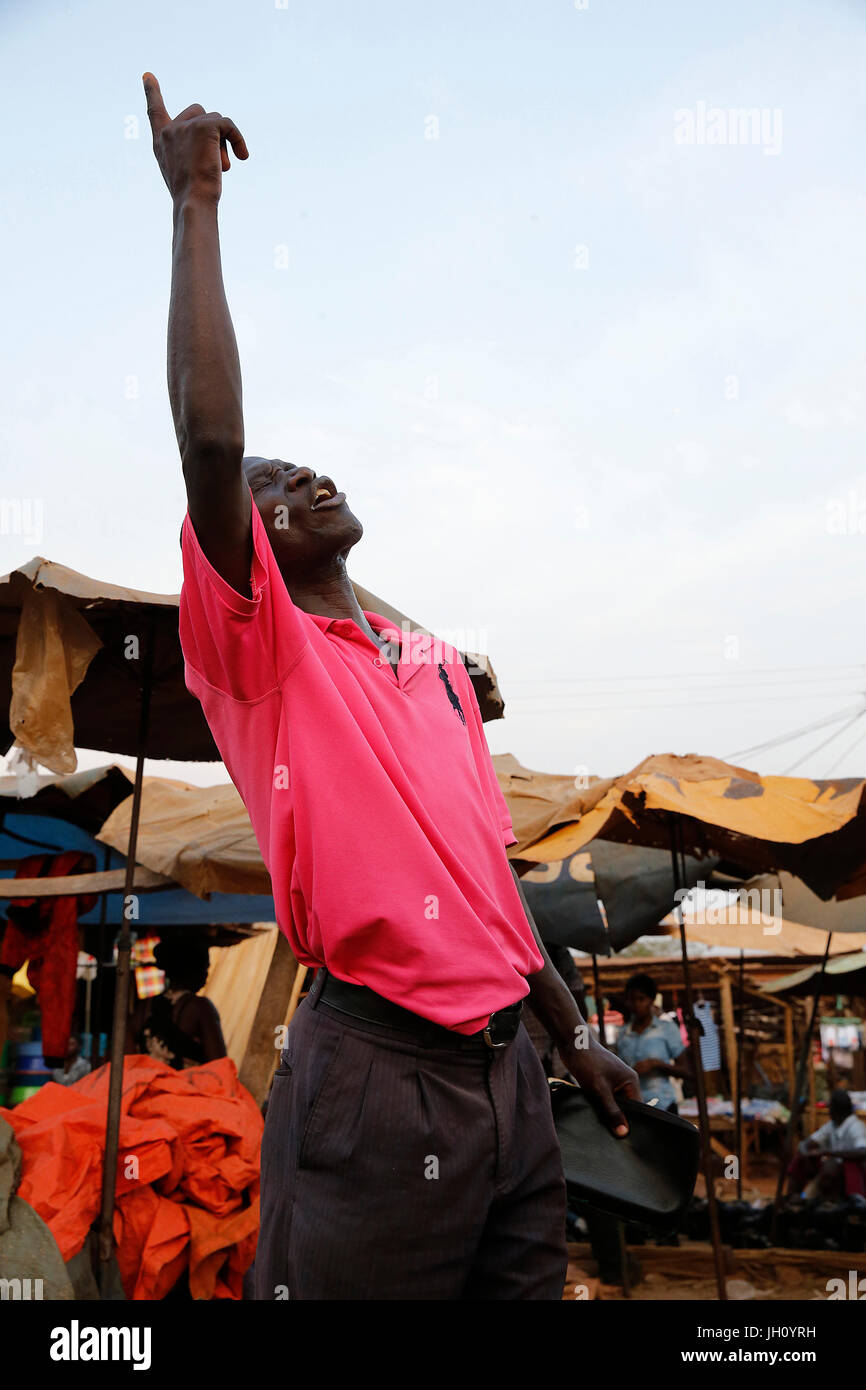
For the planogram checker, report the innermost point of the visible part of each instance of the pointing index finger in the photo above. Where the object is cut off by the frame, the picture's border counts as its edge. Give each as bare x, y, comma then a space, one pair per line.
156, 111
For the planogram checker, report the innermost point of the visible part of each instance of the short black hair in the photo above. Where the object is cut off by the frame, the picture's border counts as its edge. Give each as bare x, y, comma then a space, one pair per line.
841, 1104
642, 984
183, 958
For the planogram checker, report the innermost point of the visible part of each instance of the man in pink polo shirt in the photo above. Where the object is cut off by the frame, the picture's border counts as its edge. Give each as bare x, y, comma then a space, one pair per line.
409, 1150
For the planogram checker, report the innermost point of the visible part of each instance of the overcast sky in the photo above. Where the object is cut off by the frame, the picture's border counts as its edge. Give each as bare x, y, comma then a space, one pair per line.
592, 379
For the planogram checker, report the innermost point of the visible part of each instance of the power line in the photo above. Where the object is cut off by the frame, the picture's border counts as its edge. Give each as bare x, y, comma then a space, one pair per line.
812, 751
701, 675
517, 703
795, 733
674, 686
849, 749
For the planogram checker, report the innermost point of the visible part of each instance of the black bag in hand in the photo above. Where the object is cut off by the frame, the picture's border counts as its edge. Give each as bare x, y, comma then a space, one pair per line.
647, 1178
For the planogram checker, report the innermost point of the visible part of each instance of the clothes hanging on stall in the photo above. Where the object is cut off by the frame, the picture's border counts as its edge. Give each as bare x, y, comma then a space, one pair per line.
711, 1052
44, 932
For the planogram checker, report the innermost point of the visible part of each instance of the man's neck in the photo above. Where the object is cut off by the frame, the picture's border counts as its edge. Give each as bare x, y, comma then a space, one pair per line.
329, 594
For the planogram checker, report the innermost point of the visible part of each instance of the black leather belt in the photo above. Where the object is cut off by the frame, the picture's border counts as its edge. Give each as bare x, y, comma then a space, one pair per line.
356, 1001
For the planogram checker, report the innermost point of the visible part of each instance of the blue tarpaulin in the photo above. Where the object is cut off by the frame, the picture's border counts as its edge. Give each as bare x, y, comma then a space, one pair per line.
164, 907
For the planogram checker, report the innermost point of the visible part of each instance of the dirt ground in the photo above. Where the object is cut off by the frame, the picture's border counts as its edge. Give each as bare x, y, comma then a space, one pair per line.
779, 1276
655, 1288
687, 1272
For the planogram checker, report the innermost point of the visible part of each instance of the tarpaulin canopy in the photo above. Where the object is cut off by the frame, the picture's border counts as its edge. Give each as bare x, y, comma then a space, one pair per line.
772, 912
634, 884
83, 798
66, 813
841, 975
814, 829
187, 1181
800, 904
199, 836
71, 668
745, 931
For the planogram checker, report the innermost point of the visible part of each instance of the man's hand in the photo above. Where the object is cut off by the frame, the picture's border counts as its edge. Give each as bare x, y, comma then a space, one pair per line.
191, 150
603, 1077
601, 1074
650, 1065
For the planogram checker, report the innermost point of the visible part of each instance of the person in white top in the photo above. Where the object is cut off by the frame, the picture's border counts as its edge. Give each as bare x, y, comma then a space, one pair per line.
835, 1153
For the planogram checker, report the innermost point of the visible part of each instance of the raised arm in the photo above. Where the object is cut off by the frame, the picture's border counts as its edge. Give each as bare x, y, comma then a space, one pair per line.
204, 374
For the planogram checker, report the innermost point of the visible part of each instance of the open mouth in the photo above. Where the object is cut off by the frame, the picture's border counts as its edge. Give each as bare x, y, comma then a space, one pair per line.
325, 494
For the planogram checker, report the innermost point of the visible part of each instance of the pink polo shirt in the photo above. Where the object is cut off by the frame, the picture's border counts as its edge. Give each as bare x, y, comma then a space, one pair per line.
372, 796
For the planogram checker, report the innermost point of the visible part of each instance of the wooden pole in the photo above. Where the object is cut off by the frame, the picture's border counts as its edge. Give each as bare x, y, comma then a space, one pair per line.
73, 885
694, 1031
796, 1095
122, 993
729, 1032
262, 1053
741, 1052
295, 995
789, 1047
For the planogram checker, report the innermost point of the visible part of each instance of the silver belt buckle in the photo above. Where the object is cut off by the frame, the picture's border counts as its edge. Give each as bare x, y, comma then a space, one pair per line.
489, 1040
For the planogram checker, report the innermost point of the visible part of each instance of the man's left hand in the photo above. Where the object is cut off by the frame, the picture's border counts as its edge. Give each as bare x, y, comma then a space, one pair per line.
604, 1078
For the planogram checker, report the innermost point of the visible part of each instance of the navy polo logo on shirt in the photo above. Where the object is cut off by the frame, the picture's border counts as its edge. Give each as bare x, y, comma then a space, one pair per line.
452, 693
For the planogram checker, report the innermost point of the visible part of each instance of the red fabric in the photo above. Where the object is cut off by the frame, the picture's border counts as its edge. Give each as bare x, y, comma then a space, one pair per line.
188, 1173
804, 1167
51, 946
341, 763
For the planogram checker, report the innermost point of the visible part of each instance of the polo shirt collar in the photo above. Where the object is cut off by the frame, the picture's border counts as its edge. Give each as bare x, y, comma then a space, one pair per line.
347, 627
411, 661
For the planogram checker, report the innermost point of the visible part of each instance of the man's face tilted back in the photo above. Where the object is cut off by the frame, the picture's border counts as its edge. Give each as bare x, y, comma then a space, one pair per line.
308, 521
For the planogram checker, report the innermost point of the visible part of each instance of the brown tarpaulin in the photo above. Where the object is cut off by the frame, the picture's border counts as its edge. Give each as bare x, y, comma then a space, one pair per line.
202, 838
843, 975
794, 939
202, 835
814, 829
71, 651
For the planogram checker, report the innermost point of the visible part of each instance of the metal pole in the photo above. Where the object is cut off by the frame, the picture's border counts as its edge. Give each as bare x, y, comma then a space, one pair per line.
694, 1031
795, 1106
98, 992
122, 991
739, 1037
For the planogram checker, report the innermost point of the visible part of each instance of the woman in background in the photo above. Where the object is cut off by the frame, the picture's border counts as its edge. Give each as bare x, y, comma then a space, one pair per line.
652, 1045
178, 1026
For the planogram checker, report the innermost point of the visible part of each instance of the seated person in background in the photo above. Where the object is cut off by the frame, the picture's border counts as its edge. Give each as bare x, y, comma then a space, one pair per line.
177, 1026
75, 1065
651, 1045
831, 1163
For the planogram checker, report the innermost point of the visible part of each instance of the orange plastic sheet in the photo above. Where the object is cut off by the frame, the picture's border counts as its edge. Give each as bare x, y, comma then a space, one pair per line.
188, 1175
815, 829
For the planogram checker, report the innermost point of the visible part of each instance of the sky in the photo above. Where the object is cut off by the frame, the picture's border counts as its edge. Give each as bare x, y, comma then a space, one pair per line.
584, 349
